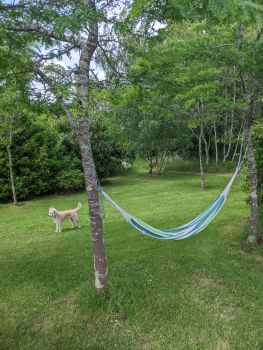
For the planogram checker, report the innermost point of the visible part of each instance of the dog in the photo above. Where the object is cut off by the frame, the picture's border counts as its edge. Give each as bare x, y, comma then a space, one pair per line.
59, 216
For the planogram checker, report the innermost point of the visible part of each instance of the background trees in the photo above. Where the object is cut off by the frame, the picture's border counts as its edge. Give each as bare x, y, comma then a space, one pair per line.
153, 79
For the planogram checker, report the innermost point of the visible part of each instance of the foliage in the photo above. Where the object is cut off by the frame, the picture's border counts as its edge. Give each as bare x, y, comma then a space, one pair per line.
70, 180
258, 144
37, 159
105, 148
46, 156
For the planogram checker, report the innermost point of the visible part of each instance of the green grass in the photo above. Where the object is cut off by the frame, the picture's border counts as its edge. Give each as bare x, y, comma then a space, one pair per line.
200, 293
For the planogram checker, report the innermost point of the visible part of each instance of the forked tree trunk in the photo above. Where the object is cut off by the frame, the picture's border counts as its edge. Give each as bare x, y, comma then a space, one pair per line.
100, 264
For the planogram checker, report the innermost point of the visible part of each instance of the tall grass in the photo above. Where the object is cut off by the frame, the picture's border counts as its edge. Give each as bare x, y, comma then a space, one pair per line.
178, 164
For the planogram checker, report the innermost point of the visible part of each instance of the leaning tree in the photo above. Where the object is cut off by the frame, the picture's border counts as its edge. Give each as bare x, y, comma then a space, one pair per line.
55, 31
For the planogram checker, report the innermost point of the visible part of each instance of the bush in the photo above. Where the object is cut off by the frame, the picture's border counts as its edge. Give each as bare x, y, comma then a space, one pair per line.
104, 148
70, 180
46, 157
40, 152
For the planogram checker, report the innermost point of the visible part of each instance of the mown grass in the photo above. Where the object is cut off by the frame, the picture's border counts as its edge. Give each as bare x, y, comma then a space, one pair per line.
200, 293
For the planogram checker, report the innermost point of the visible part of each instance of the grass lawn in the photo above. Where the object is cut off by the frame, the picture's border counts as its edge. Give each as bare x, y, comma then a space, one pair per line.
201, 293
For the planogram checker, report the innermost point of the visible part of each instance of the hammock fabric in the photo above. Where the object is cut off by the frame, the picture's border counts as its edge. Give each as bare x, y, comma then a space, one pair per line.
190, 229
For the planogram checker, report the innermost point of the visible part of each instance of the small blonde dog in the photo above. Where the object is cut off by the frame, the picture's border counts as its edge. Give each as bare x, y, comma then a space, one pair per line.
59, 216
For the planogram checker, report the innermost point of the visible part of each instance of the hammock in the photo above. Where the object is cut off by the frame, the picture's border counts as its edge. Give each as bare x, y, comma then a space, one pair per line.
193, 227
190, 229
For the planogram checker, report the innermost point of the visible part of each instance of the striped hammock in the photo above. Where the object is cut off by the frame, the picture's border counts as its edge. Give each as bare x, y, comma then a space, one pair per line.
190, 229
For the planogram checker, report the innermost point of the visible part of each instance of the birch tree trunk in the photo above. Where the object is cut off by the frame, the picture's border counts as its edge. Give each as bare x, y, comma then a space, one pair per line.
10, 160
156, 164
216, 144
202, 176
226, 155
206, 148
237, 143
150, 163
161, 163
11, 172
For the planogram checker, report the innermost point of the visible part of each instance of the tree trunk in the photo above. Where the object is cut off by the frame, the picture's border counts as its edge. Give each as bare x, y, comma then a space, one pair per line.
150, 163
11, 172
206, 150
87, 49
237, 143
252, 172
225, 138
156, 164
225, 131
161, 163
201, 161
100, 264
231, 127
206, 144
216, 144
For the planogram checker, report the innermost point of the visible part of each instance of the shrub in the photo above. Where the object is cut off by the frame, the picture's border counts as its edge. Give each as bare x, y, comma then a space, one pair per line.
70, 180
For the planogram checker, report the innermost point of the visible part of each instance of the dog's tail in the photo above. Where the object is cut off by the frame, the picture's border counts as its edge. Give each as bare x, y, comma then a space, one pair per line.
79, 206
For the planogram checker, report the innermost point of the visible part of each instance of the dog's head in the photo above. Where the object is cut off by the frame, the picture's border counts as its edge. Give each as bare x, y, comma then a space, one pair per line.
52, 212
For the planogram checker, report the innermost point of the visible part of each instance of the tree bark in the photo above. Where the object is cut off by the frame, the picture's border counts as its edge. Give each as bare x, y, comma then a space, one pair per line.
156, 163
100, 263
87, 49
201, 161
225, 138
226, 155
161, 163
206, 149
237, 143
216, 144
252, 171
150, 162
11, 172
10, 160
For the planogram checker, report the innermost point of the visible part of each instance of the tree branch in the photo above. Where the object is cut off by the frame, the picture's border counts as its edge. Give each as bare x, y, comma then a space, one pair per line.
21, 27
58, 96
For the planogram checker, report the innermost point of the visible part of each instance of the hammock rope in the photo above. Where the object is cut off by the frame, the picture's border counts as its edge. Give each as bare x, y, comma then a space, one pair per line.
190, 229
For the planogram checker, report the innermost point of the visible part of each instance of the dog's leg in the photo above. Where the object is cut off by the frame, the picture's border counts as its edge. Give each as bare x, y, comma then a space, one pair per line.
73, 223
75, 220
58, 226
